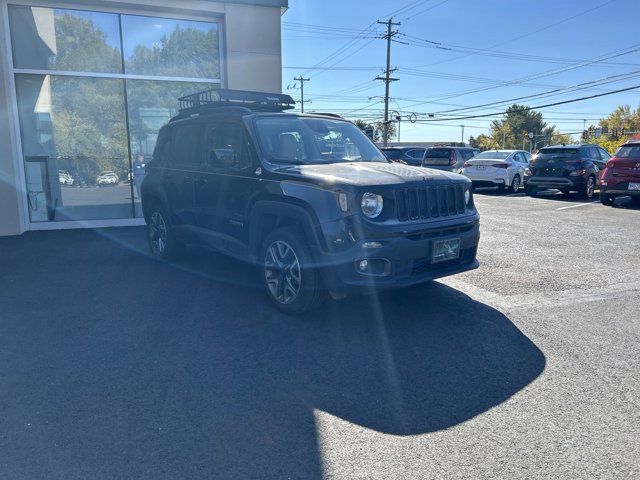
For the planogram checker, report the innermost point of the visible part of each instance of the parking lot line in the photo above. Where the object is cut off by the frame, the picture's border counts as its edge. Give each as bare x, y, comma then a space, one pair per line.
579, 205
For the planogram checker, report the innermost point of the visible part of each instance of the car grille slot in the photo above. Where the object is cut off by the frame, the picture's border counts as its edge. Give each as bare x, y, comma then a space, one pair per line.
429, 202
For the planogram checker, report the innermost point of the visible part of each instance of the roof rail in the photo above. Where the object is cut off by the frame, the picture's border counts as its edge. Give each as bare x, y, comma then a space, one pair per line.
270, 102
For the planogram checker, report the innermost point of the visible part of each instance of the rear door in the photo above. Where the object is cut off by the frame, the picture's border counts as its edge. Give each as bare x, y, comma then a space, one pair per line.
177, 175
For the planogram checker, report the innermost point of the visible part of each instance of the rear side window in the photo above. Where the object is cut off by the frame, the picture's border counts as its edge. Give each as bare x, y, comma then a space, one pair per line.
162, 152
593, 154
187, 141
416, 153
604, 154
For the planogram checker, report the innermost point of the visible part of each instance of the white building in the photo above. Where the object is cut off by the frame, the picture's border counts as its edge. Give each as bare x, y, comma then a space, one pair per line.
85, 85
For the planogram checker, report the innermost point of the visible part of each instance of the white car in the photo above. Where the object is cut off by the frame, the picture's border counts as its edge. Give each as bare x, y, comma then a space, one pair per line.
497, 168
65, 178
108, 178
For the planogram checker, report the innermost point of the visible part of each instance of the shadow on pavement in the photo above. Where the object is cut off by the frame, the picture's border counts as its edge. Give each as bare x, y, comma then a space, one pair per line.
117, 366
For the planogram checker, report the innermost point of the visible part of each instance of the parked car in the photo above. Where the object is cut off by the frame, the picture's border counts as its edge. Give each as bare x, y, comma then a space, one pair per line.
497, 168
568, 168
450, 159
107, 178
236, 172
408, 155
621, 175
65, 178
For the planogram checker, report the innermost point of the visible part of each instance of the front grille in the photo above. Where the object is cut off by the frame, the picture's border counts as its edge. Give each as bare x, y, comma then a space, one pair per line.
429, 202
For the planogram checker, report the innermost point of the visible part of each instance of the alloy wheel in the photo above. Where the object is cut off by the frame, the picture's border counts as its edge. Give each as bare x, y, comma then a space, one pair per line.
282, 272
591, 187
158, 233
515, 185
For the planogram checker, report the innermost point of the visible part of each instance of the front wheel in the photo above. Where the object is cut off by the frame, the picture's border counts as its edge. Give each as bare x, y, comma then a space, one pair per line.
515, 184
292, 282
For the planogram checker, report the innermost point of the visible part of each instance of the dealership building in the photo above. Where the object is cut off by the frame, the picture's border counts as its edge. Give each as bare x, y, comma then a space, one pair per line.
86, 85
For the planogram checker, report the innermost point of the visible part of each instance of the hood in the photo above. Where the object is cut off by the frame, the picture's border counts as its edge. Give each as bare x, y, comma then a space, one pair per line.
369, 173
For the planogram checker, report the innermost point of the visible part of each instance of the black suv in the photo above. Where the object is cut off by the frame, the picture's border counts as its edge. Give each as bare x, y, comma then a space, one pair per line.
568, 168
409, 155
308, 198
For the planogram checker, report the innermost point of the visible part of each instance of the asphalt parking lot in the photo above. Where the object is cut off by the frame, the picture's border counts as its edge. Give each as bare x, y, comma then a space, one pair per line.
113, 365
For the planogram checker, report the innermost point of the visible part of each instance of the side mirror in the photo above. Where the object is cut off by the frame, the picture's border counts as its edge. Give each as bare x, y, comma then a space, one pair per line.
222, 158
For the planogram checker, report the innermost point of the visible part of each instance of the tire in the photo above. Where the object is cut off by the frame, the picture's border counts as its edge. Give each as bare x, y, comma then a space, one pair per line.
589, 189
607, 199
515, 184
531, 191
162, 241
291, 282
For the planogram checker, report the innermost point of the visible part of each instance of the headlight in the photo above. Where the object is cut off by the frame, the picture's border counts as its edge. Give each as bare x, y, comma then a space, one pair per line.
527, 172
371, 204
467, 196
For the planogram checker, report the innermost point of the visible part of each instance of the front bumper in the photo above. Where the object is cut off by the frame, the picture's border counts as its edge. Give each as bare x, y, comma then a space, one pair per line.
409, 255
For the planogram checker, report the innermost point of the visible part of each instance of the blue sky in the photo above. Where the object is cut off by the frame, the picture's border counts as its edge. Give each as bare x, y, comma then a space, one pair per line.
499, 49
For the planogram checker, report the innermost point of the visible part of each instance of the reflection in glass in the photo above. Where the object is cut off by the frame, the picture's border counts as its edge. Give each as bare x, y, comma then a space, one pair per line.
152, 103
66, 40
74, 143
168, 47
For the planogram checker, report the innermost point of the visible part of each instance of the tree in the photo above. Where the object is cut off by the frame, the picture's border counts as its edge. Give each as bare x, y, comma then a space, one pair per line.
378, 129
512, 131
621, 119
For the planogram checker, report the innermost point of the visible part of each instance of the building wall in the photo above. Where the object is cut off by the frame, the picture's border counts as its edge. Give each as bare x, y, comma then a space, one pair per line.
251, 60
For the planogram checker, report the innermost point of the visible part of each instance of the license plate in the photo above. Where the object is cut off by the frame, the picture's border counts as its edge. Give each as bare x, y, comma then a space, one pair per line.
444, 250
634, 186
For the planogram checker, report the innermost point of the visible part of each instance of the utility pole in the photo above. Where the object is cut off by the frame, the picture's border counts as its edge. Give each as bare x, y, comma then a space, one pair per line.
387, 77
301, 79
462, 133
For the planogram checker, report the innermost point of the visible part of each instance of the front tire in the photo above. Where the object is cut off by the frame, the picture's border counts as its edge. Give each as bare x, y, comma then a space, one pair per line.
160, 235
292, 282
515, 184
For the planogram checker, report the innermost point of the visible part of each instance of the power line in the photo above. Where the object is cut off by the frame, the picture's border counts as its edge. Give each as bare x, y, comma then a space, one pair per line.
387, 75
564, 102
301, 79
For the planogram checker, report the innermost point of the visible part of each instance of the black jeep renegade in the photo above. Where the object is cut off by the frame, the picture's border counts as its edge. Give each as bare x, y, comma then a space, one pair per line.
308, 198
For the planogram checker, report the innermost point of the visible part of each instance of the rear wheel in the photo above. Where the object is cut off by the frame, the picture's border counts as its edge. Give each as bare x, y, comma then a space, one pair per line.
292, 282
607, 199
160, 236
589, 189
515, 184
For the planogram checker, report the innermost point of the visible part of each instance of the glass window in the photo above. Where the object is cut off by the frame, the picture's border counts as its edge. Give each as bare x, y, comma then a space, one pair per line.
71, 40
314, 141
172, 48
604, 154
225, 151
628, 151
85, 140
187, 140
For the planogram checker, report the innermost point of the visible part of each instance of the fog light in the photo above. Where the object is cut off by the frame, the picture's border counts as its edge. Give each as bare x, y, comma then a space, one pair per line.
376, 267
363, 265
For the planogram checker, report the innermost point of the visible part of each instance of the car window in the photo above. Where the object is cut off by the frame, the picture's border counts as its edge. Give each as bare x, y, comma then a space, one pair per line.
604, 154
416, 153
467, 154
593, 154
527, 157
224, 147
519, 157
187, 141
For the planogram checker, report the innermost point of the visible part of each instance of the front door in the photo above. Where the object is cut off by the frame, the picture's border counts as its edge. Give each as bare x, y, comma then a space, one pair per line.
223, 190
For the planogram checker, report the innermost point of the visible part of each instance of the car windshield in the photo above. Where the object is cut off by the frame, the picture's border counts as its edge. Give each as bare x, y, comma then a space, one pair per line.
628, 151
301, 140
494, 155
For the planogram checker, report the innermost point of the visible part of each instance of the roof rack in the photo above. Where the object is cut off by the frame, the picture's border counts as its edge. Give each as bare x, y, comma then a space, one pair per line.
270, 102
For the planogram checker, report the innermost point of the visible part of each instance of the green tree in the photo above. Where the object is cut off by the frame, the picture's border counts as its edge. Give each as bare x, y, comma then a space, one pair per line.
512, 131
378, 129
